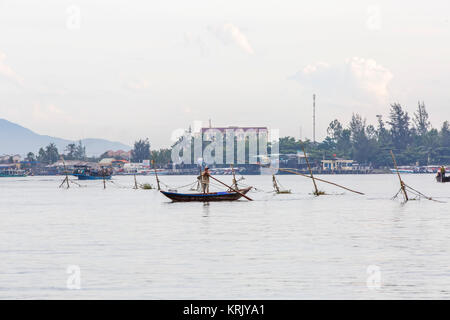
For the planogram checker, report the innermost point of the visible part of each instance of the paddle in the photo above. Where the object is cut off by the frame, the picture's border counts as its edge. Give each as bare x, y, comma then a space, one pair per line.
231, 188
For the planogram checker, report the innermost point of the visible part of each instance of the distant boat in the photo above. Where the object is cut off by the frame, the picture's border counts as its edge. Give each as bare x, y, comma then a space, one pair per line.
158, 171
402, 170
143, 172
205, 197
88, 173
91, 177
11, 173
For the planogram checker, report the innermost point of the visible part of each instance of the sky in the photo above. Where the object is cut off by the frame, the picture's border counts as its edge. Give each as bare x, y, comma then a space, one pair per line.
124, 70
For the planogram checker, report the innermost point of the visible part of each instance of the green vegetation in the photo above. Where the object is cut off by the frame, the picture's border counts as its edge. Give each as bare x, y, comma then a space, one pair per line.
75, 152
48, 155
162, 157
141, 150
413, 141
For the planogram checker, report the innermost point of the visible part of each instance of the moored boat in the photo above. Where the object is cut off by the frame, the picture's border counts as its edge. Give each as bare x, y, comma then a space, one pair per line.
89, 177
11, 173
87, 173
403, 170
206, 197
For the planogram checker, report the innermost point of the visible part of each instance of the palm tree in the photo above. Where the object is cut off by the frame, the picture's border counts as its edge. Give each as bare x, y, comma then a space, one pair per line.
71, 149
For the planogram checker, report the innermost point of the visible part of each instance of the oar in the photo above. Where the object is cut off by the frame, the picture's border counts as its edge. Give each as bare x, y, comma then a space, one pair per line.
231, 188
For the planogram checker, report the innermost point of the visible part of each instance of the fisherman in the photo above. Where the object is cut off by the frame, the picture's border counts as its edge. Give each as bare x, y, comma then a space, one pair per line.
205, 180
442, 173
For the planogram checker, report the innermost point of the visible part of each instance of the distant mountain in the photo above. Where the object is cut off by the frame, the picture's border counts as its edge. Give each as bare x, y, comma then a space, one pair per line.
15, 139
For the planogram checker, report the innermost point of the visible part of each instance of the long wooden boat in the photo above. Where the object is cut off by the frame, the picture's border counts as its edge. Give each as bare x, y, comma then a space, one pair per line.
205, 197
402, 170
91, 177
88, 173
12, 173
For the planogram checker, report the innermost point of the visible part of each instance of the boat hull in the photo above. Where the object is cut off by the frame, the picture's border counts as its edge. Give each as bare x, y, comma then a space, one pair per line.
84, 177
402, 171
445, 179
12, 175
205, 197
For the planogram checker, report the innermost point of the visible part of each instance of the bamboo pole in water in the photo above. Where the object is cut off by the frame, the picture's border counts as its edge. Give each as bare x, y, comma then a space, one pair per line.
310, 170
275, 184
156, 175
104, 180
318, 179
402, 184
234, 177
66, 179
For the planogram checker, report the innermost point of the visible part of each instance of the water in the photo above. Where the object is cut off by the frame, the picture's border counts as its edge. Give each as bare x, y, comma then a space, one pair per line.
135, 244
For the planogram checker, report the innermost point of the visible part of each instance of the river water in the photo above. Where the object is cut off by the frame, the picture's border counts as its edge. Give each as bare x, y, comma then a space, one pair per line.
118, 243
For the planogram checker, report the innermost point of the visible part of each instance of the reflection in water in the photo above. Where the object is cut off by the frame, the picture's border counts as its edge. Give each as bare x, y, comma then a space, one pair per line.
205, 209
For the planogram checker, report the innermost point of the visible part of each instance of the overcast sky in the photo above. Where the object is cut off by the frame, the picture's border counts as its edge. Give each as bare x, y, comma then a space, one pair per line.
123, 70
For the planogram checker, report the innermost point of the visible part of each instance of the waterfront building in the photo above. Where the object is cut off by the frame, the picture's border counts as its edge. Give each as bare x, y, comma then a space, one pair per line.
337, 164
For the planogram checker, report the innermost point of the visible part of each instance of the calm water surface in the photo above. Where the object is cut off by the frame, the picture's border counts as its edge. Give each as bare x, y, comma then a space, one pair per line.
137, 244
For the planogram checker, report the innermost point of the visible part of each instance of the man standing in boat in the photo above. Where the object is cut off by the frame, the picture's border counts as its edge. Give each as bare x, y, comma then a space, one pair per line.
205, 180
442, 173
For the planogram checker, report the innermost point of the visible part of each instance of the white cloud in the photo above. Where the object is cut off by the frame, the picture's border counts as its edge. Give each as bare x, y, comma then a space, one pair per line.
191, 40
371, 76
138, 84
7, 71
229, 33
357, 78
43, 112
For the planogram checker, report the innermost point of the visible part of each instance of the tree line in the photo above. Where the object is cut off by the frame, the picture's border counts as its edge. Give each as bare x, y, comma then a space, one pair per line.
141, 151
50, 153
412, 138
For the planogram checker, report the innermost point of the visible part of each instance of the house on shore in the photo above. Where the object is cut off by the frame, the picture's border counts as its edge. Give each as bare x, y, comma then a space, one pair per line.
13, 158
337, 165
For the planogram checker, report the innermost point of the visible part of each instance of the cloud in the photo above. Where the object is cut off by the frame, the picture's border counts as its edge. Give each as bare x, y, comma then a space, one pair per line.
47, 112
230, 34
370, 76
357, 78
7, 71
191, 40
54, 116
138, 84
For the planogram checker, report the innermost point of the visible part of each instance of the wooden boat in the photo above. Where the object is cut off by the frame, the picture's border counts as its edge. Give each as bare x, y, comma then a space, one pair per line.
205, 197
12, 173
89, 177
87, 173
402, 170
